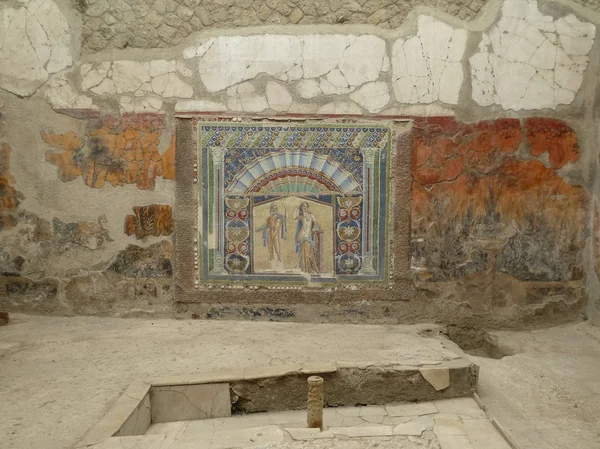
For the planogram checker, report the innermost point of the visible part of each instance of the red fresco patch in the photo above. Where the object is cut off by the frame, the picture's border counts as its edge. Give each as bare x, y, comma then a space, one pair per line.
554, 137
442, 141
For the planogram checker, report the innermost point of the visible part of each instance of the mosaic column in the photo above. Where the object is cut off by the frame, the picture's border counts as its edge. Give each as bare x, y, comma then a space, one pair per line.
369, 155
218, 189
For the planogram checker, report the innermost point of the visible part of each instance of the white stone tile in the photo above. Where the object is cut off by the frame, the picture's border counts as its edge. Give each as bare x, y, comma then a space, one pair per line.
448, 426
286, 417
278, 97
139, 421
173, 428
139, 105
331, 418
525, 46
308, 88
224, 439
340, 107
427, 67
309, 434
243, 421
483, 434
189, 53
427, 420
464, 407
128, 76
362, 431
323, 52
199, 105
348, 411
372, 411
438, 378
456, 442
414, 428
187, 402
61, 95
170, 85
232, 59
395, 420
374, 419
372, 96
349, 421
411, 409
131, 442
326, 87
38, 43
363, 59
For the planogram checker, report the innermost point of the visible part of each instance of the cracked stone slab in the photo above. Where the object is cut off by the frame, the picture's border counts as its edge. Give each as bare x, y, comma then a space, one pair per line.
439, 378
531, 61
411, 409
363, 431
131, 442
427, 67
35, 42
309, 434
344, 61
184, 402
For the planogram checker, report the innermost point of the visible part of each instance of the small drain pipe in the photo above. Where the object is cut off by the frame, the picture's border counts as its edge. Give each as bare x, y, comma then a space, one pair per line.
315, 402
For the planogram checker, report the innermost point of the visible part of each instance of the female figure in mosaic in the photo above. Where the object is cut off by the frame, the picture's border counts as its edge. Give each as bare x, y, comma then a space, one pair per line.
305, 239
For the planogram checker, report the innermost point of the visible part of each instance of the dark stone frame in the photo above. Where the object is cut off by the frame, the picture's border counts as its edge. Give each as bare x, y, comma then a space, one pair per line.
206, 300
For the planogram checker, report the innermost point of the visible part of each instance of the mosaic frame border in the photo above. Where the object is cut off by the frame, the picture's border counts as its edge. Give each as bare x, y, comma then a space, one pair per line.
287, 300
383, 184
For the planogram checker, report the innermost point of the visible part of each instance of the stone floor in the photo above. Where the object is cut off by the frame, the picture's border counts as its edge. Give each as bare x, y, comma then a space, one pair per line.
59, 376
448, 424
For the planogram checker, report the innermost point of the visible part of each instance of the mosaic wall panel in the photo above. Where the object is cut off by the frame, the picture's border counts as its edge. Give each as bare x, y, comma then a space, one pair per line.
292, 203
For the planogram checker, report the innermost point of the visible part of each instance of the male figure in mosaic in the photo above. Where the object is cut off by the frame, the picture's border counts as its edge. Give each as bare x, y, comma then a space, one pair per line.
305, 239
274, 230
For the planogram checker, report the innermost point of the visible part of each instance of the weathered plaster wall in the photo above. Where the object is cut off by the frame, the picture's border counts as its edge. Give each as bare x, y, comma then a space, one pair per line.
502, 111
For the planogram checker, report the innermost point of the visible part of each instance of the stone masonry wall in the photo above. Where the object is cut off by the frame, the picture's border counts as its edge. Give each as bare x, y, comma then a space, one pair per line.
501, 100
151, 23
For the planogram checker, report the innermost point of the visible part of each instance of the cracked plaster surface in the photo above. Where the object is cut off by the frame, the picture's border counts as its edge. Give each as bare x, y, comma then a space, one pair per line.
146, 82
529, 60
427, 67
339, 63
526, 61
35, 41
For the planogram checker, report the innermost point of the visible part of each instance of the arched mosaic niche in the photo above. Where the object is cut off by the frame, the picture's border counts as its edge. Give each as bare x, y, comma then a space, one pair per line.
292, 202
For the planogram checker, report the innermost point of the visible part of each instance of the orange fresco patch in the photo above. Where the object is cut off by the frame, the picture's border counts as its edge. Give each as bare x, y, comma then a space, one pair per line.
554, 137
485, 146
9, 198
115, 151
153, 220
